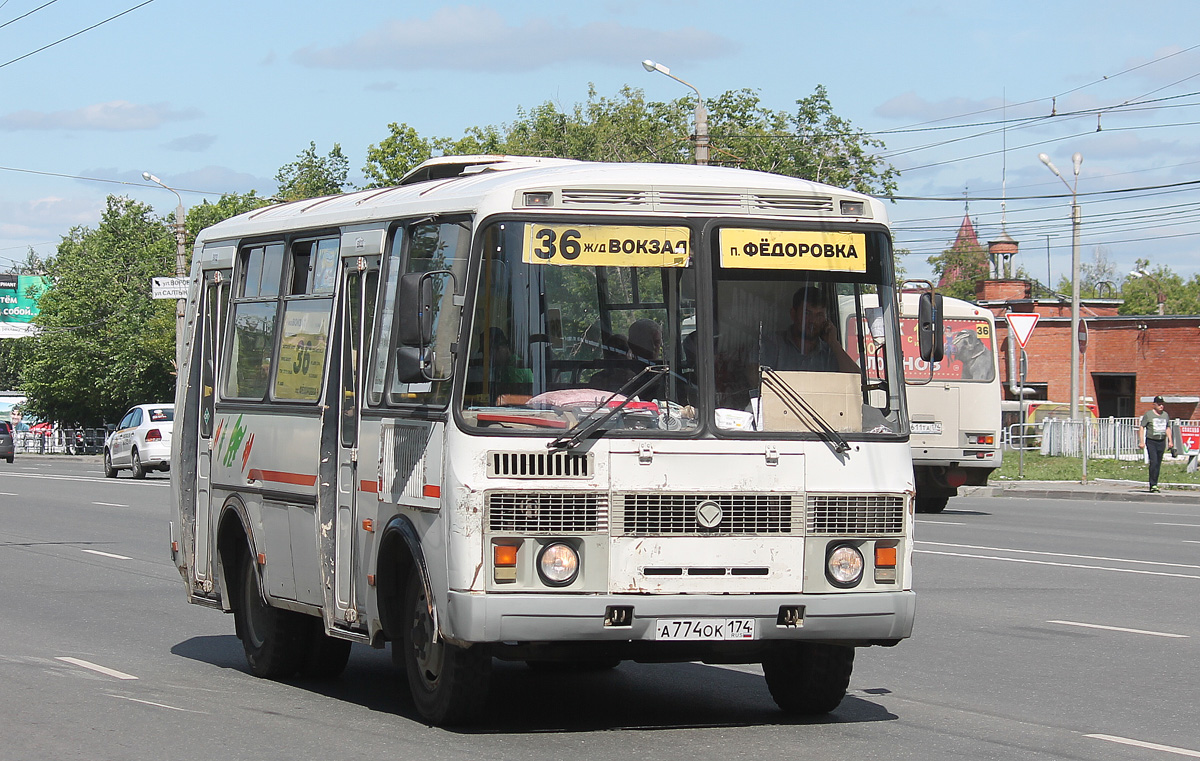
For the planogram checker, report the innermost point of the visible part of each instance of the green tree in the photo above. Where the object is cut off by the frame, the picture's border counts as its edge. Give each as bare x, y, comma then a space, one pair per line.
312, 176
959, 268
1142, 294
402, 150
104, 343
811, 142
207, 214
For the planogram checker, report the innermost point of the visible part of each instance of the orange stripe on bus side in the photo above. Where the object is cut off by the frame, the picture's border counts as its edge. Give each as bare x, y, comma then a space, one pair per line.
282, 477
369, 486
432, 490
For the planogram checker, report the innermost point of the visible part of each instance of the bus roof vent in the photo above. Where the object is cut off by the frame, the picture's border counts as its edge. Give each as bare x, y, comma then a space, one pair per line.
699, 199
790, 204
447, 167
605, 198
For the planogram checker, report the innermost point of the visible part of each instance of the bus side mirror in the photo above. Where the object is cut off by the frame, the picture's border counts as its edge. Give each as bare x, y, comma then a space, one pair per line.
416, 304
929, 327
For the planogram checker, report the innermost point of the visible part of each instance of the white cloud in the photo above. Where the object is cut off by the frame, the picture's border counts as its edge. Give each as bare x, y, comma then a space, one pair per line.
472, 38
191, 143
113, 116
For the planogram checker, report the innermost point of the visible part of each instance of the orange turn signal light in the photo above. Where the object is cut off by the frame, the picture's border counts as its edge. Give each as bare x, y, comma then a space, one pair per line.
885, 557
505, 555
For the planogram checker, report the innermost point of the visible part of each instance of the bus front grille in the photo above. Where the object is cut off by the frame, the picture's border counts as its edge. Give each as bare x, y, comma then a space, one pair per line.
540, 464
855, 514
688, 514
538, 512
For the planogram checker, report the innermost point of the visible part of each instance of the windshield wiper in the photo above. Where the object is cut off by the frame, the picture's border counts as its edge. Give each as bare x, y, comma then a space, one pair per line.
800, 408
580, 431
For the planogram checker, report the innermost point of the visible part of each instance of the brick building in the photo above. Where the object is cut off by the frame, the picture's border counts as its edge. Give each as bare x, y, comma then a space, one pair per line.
1127, 362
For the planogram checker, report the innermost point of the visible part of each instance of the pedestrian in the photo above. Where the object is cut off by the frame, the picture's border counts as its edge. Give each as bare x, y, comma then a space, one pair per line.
1153, 438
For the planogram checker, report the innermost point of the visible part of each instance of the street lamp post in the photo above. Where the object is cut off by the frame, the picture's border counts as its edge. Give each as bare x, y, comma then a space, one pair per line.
1162, 294
701, 152
180, 264
1076, 219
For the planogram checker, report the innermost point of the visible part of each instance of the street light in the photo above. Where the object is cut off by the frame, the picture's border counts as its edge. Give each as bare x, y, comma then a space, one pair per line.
1076, 160
180, 266
701, 153
1162, 294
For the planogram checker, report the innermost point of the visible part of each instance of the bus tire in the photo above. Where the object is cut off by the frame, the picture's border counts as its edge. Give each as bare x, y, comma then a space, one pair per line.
109, 470
139, 470
808, 678
932, 504
273, 639
449, 684
327, 656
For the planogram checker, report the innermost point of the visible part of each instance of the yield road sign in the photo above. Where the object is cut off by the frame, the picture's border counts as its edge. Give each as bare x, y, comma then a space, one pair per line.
1021, 324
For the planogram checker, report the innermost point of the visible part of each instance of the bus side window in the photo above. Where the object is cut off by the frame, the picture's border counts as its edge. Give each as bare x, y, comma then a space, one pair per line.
255, 305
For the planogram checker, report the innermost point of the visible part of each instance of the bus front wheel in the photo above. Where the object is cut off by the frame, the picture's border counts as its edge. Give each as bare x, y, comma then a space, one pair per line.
273, 639
932, 503
449, 684
808, 678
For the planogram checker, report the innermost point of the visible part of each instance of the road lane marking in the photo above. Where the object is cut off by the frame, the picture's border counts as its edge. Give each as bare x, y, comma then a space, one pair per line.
8, 494
1191, 541
942, 523
1172, 515
1059, 554
1148, 746
92, 479
94, 667
1060, 565
109, 504
1120, 629
152, 703
108, 555
1188, 525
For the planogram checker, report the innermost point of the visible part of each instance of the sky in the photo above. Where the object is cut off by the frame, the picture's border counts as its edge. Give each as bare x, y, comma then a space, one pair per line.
215, 97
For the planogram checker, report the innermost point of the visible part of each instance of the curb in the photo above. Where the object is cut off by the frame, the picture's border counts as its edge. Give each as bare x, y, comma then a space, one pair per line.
1091, 495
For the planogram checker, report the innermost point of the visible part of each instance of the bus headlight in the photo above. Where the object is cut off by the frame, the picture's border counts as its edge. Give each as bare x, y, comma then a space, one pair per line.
558, 564
844, 566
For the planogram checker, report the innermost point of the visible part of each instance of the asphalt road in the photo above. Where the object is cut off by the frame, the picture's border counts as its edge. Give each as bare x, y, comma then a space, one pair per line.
1046, 629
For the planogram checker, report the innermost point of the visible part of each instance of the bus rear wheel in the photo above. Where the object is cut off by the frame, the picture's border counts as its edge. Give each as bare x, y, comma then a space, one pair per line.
449, 684
274, 639
808, 678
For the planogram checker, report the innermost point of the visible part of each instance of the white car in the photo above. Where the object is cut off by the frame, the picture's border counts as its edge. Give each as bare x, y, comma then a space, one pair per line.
142, 441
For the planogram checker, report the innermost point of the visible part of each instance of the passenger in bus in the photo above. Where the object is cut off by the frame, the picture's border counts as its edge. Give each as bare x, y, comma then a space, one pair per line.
616, 372
646, 346
811, 342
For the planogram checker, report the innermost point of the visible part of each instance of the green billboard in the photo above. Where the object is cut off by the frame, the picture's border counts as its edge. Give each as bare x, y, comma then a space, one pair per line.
19, 296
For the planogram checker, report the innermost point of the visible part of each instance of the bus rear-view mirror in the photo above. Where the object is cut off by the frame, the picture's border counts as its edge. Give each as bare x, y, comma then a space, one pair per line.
929, 327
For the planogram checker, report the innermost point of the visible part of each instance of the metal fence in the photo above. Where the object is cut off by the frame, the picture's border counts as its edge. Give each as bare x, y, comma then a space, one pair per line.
1110, 437
61, 441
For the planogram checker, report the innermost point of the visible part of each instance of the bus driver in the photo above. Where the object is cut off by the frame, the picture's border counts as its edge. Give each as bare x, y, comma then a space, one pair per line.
811, 342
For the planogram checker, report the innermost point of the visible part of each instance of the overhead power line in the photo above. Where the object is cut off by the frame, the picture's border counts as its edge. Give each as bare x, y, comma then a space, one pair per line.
76, 34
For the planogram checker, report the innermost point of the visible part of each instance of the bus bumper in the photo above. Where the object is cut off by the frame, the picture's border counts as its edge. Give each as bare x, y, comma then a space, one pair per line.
864, 618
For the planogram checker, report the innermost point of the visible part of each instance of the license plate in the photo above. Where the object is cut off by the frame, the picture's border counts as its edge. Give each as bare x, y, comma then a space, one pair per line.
926, 427
703, 628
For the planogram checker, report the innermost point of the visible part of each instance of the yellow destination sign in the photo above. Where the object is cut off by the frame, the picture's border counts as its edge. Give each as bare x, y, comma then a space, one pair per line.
607, 245
793, 250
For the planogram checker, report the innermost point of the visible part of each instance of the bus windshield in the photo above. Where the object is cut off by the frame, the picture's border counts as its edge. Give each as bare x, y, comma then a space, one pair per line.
575, 320
566, 328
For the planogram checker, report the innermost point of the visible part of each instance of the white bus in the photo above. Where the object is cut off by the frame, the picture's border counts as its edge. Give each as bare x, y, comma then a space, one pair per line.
953, 402
516, 409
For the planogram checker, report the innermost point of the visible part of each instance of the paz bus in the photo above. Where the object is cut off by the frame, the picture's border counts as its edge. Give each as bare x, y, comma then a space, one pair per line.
954, 401
513, 409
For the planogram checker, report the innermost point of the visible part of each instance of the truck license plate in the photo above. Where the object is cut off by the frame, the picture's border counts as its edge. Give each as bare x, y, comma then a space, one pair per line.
926, 427
703, 628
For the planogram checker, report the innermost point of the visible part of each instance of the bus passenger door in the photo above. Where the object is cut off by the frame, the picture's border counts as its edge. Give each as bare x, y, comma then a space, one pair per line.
216, 307
358, 309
